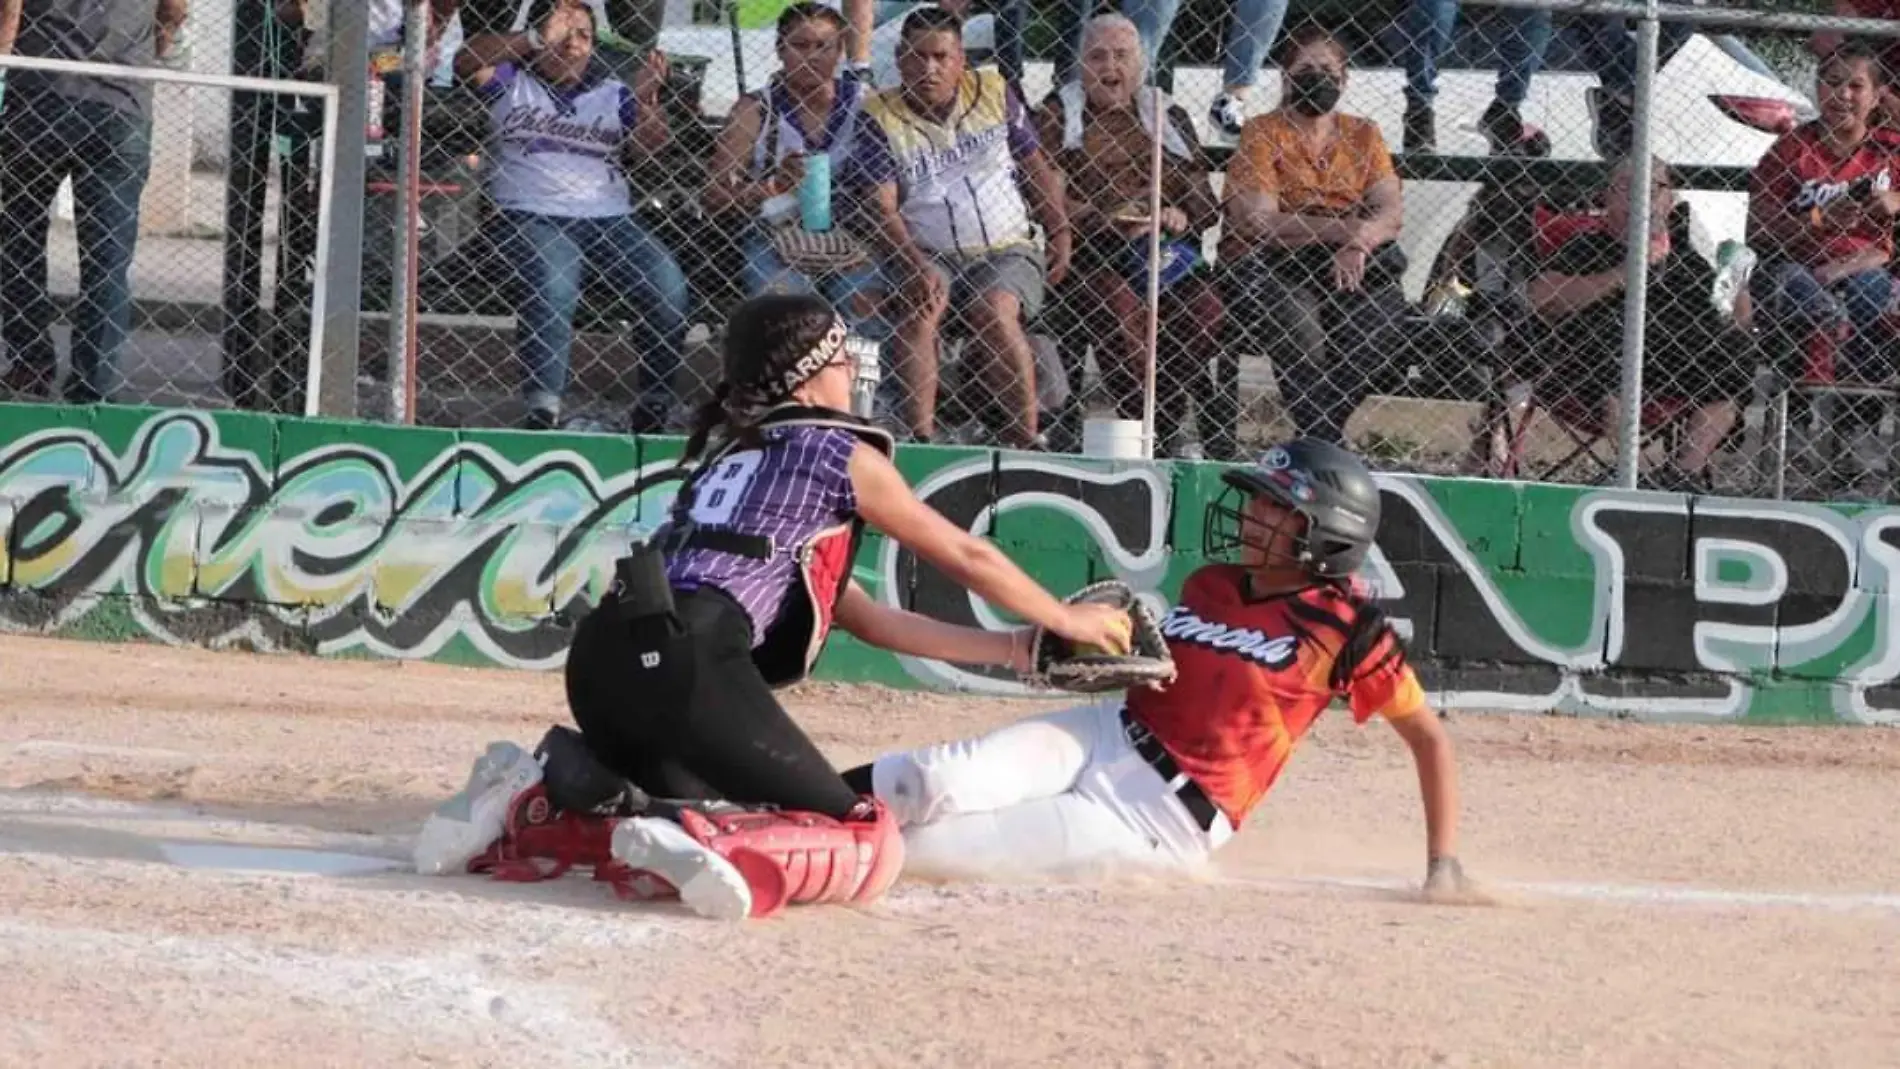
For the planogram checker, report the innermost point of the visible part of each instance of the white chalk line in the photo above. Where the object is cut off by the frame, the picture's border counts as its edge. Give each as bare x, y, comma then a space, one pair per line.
448, 995
1633, 893
61, 748
340, 859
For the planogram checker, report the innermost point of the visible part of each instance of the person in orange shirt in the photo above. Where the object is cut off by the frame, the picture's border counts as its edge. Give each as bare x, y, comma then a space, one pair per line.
1162, 778
1312, 219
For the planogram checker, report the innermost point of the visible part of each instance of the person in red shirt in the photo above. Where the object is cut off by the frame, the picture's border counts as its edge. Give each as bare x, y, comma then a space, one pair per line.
1161, 778
1888, 49
1821, 209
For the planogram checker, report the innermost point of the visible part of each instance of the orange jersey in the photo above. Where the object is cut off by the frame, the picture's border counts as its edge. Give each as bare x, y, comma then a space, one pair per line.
1254, 673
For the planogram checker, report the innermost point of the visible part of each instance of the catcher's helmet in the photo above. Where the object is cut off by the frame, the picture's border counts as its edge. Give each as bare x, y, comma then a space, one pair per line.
1322, 482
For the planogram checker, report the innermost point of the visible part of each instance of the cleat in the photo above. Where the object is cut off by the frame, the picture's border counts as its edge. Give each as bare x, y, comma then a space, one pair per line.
464, 828
708, 884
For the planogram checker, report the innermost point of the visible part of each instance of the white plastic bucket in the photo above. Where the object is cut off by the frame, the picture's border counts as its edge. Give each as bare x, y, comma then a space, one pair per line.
1115, 439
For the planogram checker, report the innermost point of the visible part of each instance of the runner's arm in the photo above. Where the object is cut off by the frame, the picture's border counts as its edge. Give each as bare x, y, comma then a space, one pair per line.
1431, 750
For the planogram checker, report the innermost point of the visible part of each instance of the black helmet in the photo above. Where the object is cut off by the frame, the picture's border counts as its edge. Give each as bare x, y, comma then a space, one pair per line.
1329, 486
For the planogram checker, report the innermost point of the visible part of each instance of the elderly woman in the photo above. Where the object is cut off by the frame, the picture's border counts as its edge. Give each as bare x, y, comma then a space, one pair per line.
759, 161
1313, 216
1105, 125
558, 124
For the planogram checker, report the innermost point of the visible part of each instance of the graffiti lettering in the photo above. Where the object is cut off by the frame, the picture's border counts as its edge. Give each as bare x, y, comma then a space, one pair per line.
1597, 602
340, 554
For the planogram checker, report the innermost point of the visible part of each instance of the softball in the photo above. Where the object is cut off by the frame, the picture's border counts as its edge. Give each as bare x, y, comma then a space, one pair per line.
1123, 627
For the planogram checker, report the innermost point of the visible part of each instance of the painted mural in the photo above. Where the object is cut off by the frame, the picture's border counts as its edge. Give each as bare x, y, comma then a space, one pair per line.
227, 529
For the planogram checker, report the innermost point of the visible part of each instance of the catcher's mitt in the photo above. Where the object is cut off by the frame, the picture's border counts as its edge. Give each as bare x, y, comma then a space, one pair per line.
1057, 663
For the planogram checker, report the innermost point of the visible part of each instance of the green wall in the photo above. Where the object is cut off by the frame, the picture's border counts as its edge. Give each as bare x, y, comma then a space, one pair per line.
481, 547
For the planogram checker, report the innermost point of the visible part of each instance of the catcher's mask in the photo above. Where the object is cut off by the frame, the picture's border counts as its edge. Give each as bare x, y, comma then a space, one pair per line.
1326, 486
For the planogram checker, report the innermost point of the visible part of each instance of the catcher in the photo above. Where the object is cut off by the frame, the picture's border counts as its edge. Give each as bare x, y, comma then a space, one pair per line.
1164, 776
687, 776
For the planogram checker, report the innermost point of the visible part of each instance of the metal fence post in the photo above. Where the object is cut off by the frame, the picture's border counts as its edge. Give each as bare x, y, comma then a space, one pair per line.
405, 273
1636, 267
347, 65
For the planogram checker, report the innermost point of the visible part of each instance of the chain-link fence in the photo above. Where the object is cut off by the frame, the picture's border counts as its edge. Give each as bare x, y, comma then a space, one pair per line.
142, 251
1405, 224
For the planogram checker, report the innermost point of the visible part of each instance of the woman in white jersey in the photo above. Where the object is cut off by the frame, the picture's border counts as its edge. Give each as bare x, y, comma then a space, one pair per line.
807, 110
558, 125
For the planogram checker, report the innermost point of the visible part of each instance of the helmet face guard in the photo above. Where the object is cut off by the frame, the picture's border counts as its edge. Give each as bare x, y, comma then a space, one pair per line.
1331, 492
1227, 532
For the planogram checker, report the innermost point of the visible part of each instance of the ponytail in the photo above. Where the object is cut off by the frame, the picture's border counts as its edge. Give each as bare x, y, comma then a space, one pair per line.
706, 418
734, 413
774, 342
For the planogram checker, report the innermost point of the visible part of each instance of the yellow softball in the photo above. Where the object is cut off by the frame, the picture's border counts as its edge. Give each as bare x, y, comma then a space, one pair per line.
1124, 627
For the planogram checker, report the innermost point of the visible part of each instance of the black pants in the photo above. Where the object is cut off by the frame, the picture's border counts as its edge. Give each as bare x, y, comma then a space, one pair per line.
677, 706
1330, 348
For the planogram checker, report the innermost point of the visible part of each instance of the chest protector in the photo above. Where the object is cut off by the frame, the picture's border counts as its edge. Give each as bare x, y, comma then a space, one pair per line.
797, 636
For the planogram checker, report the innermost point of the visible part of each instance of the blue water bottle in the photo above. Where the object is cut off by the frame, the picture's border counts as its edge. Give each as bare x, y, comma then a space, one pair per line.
814, 193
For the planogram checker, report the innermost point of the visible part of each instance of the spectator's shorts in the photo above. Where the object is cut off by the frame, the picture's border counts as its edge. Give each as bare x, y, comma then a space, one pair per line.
1016, 271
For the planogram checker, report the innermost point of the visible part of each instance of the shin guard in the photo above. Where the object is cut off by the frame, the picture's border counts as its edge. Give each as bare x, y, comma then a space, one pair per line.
794, 858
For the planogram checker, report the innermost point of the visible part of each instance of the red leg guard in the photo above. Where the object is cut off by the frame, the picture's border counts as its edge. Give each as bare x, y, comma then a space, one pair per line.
815, 858
543, 843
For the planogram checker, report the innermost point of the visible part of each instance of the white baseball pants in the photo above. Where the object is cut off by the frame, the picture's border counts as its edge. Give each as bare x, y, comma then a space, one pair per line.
1062, 794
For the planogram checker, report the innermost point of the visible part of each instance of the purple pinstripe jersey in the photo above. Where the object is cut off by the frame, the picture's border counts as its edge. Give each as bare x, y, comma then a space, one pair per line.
789, 492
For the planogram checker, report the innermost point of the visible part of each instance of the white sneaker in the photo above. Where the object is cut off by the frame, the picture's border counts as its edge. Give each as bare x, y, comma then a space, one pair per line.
471, 820
708, 884
1226, 116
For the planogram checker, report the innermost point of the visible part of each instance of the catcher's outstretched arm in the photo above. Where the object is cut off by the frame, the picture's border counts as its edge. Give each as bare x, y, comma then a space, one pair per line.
903, 631
886, 502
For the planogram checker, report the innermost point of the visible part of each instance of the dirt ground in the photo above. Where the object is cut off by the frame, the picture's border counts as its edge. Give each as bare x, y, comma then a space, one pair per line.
190, 876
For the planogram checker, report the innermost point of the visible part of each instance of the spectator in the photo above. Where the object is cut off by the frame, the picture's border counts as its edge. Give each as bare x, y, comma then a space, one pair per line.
759, 161
1007, 31
632, 26
1610, 50
1692, 352
1428, 26
1313, 214
942, 154
1888, 49
1821, 207
558, 123
9, 25
98, 132
1485, 267
1607, 47
1252, 26
1106, 132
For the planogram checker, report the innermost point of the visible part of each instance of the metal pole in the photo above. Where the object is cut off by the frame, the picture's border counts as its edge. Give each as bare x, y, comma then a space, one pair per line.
1707, 18
738, 53
347, 65
1154, 276
405, 272
247, 361
320, 270
1636, 266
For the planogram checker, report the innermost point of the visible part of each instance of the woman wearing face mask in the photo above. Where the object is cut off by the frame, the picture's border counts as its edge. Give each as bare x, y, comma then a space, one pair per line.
1312, 217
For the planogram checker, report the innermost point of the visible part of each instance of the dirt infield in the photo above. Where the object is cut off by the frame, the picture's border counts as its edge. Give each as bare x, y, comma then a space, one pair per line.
190, 876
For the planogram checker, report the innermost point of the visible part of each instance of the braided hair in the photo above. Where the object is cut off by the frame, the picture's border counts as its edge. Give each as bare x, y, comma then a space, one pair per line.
774, 342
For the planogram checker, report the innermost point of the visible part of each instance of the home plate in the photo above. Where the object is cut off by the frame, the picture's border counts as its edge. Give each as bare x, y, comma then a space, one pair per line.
228, 858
